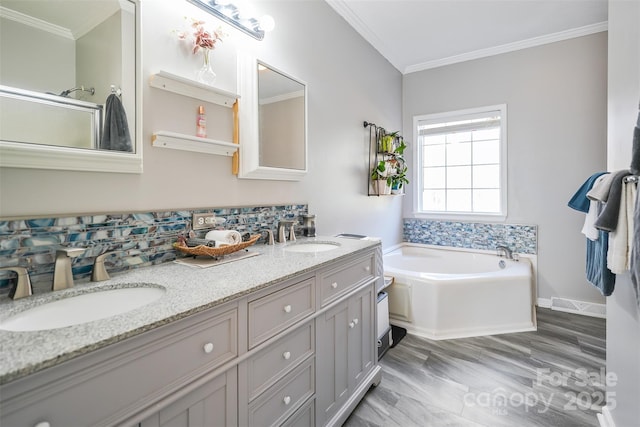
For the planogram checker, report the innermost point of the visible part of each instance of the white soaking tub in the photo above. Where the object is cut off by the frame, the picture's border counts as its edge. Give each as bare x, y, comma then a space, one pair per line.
444, 293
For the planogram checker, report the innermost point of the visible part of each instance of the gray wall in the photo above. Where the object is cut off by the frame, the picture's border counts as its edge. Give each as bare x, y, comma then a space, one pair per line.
349, 82
556, 109
623, 317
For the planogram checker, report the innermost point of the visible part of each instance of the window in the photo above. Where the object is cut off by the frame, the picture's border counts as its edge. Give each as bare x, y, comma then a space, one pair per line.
461, 162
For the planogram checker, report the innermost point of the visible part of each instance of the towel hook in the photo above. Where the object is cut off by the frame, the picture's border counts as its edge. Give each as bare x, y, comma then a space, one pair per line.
116, 91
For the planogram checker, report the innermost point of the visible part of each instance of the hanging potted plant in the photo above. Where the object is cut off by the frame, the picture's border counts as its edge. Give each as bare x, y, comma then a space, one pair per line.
399, 179
400, 147
381, 178
387, 142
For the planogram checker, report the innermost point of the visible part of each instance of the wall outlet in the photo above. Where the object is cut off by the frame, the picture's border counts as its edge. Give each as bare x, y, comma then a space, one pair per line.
203, 220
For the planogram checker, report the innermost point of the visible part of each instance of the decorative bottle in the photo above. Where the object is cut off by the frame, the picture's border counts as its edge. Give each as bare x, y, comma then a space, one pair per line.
201, 123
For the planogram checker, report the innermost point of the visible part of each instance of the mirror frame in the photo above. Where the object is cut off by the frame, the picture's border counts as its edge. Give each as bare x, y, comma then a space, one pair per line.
35, 156
248, 112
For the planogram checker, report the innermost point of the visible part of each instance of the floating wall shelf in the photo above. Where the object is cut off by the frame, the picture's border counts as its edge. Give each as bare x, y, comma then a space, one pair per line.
178, 141
187, 87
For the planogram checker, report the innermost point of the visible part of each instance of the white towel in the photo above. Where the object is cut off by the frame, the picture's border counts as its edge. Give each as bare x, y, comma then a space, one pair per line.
224, 237
600, 190
589, 229
621, 239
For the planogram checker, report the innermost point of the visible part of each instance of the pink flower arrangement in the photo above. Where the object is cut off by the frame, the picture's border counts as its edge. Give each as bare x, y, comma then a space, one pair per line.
202, 39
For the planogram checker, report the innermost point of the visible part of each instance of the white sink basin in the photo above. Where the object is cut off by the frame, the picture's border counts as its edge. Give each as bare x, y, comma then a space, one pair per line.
312, 247
81, 309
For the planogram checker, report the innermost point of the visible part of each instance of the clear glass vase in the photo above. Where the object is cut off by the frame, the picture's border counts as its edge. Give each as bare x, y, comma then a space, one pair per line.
206, 75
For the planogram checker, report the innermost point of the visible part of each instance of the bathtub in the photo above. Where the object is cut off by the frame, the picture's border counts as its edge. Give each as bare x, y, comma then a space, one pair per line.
448, 293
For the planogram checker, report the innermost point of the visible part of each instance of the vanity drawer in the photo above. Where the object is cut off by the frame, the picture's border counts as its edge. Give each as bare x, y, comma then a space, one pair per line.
334, 283
277, 311
99, 387
304, 417
278, 403
268, 365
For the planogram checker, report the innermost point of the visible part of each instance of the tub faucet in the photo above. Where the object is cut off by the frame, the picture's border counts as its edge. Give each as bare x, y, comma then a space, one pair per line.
62, 274
504, 251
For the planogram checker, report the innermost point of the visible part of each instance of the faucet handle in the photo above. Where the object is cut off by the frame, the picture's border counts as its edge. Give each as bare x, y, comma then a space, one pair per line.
292, 232
99, 272
269, 239
23, 286
281, 229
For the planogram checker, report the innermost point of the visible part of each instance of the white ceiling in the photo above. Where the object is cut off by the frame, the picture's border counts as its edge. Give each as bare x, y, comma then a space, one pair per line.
419, 34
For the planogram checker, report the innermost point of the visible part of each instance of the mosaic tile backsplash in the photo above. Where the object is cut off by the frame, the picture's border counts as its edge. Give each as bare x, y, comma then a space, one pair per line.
472, 235
138, 239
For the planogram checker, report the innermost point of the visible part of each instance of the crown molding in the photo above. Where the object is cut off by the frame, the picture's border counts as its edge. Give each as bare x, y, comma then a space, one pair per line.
510, 47
343, 9
35, 23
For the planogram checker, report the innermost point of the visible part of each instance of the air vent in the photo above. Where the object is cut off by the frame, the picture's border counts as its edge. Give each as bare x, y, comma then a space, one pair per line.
579, 307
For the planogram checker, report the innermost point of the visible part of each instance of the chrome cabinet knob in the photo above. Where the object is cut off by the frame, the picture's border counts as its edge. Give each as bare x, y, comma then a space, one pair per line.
352, 325
287, 400
287, 308
208, 347
334, 285
43, 424
286, 355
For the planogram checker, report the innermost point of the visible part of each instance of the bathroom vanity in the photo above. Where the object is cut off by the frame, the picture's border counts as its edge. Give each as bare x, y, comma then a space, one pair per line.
283, 338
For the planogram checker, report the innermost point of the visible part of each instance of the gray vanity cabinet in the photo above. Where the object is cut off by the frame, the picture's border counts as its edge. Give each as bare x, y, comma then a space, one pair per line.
300, 352
279, 374
346, 355
346, 346
110, 386
213, 404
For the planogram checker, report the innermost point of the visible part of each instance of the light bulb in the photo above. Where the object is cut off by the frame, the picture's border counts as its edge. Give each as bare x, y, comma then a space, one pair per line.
267, 23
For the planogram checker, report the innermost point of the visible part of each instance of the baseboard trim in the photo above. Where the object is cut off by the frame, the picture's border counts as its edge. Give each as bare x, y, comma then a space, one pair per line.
574, 306
605, 419
544, 302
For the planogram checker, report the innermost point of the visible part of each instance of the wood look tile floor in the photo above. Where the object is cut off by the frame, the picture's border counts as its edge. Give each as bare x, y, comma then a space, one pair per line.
553, 377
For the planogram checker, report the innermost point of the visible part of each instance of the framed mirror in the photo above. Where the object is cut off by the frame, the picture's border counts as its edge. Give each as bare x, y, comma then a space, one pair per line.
70, 92
273, 122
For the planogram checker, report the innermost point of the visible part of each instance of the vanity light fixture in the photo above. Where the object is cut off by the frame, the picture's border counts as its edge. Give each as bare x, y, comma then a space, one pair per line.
235, 16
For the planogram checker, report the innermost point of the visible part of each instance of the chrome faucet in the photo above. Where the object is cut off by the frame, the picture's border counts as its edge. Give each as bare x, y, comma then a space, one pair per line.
23, 286
62, 274
281, 230
99, 272
504, 251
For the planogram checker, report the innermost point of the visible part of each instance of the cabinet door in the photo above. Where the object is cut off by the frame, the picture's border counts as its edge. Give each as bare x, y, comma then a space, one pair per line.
332, 379
212, 405
361, 322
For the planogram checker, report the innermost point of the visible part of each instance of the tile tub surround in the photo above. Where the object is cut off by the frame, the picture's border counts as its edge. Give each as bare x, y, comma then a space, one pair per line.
138, 239
471, 235
188, 291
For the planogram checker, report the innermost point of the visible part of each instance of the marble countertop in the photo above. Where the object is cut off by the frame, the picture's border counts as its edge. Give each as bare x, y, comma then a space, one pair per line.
188, 290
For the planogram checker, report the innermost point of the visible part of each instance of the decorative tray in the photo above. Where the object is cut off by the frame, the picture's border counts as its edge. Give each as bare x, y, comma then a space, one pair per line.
215, 252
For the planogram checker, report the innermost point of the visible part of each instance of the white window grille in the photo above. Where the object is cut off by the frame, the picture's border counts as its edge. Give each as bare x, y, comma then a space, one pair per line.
461, 163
